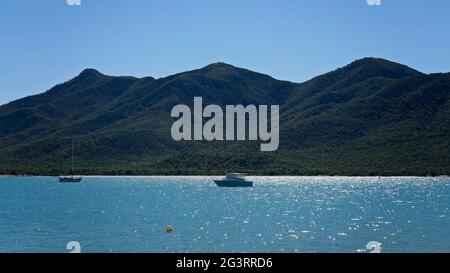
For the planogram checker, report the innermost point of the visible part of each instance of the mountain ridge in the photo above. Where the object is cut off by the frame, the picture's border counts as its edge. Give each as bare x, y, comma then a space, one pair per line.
372, 116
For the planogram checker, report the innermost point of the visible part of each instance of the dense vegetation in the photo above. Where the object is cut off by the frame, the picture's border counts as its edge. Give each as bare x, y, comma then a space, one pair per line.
371, 117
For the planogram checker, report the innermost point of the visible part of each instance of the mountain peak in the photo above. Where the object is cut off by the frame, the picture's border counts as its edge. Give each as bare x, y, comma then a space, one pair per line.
378, 67
372, 60
365, 69
91, 72
218, 65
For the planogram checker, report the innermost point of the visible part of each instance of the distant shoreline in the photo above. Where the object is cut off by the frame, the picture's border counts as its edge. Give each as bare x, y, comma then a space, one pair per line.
274, 176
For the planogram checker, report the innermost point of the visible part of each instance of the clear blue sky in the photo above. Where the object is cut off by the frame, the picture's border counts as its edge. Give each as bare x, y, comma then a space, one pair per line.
45, 42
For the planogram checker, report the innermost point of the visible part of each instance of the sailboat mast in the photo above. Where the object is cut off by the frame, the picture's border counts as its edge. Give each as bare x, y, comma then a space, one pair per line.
72, 156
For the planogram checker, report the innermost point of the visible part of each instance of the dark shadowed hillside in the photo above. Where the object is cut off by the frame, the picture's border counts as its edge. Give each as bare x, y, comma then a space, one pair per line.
371, 117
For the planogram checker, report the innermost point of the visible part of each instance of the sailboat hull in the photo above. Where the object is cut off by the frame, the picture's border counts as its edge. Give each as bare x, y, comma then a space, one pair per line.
70, 179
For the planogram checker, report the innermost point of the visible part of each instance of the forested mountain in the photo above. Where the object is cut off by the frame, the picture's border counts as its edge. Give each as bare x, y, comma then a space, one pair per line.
371, 117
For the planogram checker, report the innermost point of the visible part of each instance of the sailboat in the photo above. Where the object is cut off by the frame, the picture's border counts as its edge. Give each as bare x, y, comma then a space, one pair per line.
70, 178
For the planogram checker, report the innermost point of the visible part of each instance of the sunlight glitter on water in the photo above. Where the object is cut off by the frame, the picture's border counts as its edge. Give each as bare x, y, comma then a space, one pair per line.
279, 214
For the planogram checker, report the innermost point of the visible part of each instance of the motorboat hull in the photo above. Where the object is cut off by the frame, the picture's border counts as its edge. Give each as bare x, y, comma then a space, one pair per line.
233, 183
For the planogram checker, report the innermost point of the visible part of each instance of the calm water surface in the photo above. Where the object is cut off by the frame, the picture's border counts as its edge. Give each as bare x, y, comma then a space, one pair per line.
279, 214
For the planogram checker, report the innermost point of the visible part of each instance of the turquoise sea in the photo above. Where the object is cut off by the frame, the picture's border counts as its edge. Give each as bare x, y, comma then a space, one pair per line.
279, 214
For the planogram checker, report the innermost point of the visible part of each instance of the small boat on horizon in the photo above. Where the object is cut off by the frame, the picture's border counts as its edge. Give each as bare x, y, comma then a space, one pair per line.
234, 180
70, 178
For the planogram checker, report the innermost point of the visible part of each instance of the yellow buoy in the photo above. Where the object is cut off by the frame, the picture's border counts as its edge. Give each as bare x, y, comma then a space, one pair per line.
169, 229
